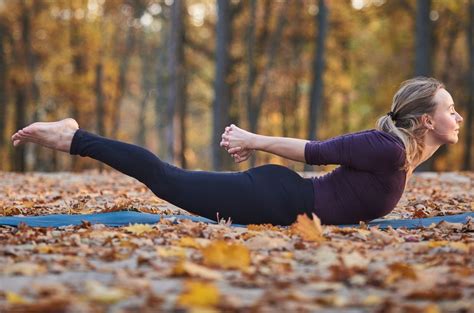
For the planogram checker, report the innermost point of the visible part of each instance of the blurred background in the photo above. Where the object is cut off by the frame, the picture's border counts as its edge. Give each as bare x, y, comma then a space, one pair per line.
170, 75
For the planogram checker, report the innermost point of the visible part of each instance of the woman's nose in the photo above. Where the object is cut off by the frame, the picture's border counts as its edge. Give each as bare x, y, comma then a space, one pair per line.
460, 119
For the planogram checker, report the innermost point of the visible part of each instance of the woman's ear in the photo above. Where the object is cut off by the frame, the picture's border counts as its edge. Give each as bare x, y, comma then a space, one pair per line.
427, 121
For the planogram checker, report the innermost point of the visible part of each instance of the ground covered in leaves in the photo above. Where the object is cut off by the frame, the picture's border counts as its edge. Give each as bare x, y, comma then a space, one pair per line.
171, 266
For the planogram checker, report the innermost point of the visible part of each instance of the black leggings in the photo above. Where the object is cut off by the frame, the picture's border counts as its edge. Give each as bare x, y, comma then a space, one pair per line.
265, 194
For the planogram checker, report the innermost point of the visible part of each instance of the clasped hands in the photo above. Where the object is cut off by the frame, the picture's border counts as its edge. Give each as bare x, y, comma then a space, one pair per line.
238, 143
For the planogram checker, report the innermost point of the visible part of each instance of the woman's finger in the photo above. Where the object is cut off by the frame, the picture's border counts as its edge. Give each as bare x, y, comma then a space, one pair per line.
235, 149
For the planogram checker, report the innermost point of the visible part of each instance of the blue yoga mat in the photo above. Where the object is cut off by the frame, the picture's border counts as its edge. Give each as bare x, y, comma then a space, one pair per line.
124, 218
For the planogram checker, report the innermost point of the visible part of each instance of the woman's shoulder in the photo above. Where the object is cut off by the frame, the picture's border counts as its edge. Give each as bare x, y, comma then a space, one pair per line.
387, 144
383, 136
390, 137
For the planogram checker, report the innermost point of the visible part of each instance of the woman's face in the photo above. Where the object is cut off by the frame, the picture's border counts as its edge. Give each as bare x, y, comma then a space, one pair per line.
445, 120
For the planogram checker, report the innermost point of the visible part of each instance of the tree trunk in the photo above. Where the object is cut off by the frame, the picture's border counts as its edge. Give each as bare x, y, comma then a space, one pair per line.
122, 80
423, 53
222, 96
99, 92
161, 96
146, 86
423, 38
177, 87
317, 86
19, 164
251, 71
3, 85
468, 158
271, 52
78, 61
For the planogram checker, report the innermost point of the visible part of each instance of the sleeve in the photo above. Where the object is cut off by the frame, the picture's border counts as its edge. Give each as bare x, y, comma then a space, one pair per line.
370, 150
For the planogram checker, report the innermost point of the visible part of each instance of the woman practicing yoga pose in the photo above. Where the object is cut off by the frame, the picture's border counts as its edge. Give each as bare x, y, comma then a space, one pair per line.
374, 164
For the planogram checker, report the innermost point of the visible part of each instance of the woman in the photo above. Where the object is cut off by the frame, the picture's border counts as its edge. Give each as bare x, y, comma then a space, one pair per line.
375, 164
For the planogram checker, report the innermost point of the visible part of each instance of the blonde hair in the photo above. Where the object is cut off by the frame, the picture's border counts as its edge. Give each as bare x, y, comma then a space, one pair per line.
410, 102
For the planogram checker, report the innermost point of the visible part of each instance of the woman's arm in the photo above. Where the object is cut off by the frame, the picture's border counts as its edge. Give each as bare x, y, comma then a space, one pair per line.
239, 143
289, 148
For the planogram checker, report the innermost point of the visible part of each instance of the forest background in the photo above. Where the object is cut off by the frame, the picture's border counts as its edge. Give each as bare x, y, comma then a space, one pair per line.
170, 75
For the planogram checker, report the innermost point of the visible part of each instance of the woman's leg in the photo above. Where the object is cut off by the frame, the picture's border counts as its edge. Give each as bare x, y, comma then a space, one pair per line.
267, 194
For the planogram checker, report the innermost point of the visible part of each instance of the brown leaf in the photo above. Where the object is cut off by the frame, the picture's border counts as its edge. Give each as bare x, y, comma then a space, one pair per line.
185, 268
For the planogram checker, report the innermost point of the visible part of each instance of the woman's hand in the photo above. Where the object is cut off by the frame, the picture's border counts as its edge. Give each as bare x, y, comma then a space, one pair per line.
239, 154
238, 143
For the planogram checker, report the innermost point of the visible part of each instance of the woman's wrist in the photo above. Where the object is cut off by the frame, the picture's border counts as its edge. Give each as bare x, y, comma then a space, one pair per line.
254, 141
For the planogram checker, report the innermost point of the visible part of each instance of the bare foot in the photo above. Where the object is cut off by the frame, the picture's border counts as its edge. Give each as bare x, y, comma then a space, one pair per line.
54, 135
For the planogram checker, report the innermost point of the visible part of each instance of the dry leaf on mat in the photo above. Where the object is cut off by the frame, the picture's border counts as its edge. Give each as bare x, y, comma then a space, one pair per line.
308, 229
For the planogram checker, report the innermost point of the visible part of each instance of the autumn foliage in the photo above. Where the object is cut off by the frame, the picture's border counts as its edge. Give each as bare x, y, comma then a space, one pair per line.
215, 267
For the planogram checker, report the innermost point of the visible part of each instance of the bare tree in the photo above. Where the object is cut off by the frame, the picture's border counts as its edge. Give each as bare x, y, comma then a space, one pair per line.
122, 78
317, 86
221, 103
468, 159
176, 134
256, 96
423, 38
3, 83
423, 53
161, 99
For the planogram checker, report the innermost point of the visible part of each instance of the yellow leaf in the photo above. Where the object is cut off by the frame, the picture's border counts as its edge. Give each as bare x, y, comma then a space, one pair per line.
46, 249
14, 298
199, 294
435, 244
188, 242
307, 229
226, 256
138, 229
171, 252
455, 245
459, 246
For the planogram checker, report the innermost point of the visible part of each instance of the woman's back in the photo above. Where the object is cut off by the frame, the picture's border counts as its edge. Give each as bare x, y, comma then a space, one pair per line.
369, 182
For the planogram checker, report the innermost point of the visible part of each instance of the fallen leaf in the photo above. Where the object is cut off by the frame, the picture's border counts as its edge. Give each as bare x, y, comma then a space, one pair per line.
307, 229
171, 252
14, 298
138, 229
97, 292
199, 294
183, 268
24, 268
267, 243
226, 256
188, 242
355, 260
400, 271
447, 226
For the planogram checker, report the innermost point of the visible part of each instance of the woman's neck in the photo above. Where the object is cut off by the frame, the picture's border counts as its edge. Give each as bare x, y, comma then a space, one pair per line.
430, 148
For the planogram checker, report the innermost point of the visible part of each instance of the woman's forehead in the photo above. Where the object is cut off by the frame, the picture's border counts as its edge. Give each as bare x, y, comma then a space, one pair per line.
443, 97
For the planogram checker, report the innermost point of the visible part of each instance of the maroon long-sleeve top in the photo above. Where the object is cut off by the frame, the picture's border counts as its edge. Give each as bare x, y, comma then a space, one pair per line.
368, 183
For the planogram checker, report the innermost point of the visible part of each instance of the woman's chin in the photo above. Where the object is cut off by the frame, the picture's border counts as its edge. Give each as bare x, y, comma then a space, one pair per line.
455, 139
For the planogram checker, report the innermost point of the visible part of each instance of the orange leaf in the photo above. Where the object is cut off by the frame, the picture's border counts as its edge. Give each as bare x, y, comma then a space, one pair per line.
226, 256
307, 229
